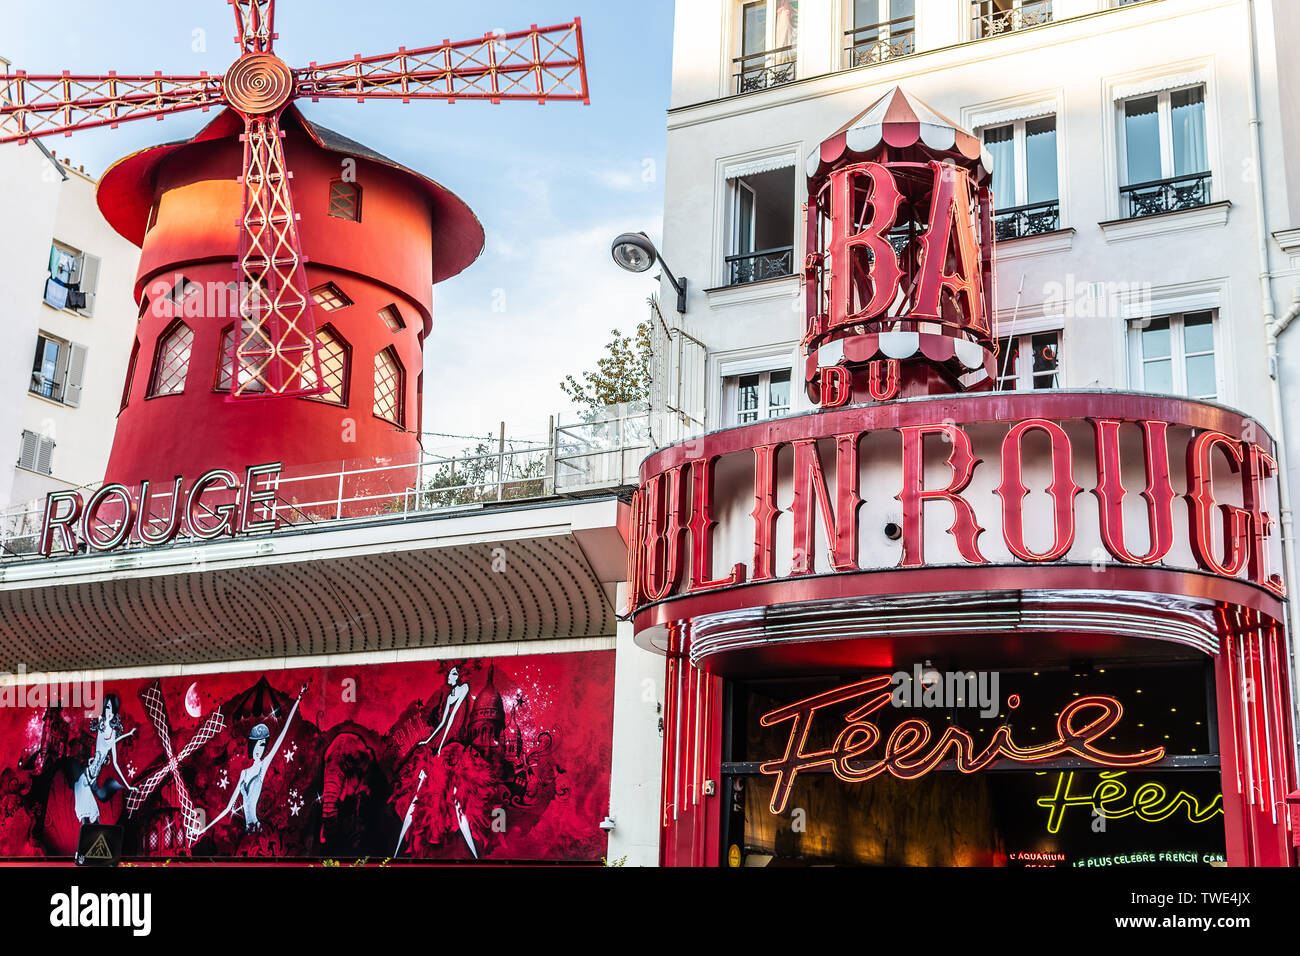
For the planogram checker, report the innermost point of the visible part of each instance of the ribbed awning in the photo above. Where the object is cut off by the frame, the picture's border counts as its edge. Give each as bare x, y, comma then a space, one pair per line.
524, 573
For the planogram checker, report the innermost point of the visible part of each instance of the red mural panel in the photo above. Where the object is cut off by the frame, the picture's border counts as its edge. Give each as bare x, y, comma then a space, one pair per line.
475, 758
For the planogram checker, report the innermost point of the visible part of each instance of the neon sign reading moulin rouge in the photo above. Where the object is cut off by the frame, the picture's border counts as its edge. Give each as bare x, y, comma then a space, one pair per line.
217, 504
678, 501
908, 752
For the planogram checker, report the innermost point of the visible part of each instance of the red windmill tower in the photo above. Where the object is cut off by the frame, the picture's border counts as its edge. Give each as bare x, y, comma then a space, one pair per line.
322, 275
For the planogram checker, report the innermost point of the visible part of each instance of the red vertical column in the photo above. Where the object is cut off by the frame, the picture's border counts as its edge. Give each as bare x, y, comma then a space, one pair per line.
1255, 746
691, 815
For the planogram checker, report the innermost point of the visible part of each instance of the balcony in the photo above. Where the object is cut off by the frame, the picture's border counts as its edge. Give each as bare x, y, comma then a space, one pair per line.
1165, 195
996, 17
46, 387
761, 71
880, 42
1034, 219
757, 266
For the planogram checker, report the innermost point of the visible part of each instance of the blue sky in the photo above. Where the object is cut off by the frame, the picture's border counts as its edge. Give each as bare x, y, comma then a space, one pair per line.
552, 184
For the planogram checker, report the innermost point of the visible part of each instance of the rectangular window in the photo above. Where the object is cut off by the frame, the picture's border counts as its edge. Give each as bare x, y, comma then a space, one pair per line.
1163, 152
769, 42
73, 280
58, 370
1174, 355
345, 200
758, 396
1030, 361
36, 453
881, 30
330, 297
1026, 193
994, 17
762, 226
182, 288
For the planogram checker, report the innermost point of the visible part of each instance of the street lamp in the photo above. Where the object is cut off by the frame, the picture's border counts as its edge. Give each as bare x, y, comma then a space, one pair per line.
635, 252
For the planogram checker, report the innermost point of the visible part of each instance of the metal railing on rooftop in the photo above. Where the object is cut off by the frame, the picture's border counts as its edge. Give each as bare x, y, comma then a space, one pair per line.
599, 451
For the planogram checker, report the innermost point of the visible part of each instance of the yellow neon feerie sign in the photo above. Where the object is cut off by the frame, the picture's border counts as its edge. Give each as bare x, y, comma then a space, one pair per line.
1150, 802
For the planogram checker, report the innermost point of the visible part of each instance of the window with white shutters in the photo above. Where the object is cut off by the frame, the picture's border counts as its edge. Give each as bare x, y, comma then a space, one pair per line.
73, 281
58, 370
36, 452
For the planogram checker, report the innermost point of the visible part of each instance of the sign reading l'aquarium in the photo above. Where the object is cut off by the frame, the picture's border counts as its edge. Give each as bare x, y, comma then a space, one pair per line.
465, 759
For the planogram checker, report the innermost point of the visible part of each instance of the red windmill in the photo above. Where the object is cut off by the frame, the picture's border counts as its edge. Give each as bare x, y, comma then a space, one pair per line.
225, 201
274, 348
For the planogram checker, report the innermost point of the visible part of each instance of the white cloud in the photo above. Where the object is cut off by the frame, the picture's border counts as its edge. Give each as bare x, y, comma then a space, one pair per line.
560, 303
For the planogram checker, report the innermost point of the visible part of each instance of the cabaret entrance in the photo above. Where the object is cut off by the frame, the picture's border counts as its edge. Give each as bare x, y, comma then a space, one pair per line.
933, 622
1146, 791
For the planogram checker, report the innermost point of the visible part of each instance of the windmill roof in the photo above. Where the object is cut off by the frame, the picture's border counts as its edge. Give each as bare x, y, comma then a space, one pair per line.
125, 193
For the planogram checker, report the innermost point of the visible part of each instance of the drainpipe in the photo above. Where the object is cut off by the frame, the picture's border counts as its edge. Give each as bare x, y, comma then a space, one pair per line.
1273, 328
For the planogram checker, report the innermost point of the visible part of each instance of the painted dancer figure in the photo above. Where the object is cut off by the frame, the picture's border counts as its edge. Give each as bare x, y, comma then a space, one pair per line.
248, 789
455, 712
87, 790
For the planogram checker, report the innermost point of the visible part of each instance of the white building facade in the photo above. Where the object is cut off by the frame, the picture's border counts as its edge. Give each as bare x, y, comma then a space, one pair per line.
1144, 207
1082, 102
66, 283
1146, 239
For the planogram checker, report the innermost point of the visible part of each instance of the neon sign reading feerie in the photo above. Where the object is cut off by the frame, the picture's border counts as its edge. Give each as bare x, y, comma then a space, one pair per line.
1110, 800
909, 753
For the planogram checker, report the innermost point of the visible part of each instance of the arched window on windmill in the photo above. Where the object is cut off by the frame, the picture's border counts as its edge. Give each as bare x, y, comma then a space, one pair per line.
172, 360
390, 385
335, 359
226, 365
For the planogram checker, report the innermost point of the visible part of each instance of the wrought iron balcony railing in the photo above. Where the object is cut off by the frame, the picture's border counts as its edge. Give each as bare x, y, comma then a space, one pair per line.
995, 17
757, 266
761, 71
1165, 195
881, 41
1033, 219
46, 387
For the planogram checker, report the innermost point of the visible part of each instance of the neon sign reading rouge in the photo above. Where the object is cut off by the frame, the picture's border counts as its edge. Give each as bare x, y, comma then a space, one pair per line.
908, 752
825, 479
216, 504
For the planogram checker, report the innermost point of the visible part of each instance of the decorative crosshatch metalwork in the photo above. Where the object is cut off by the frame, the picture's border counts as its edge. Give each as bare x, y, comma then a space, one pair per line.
225, 371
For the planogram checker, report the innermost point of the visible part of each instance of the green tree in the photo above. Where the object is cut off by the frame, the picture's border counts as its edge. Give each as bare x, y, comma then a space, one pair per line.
622, 375
473, 478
